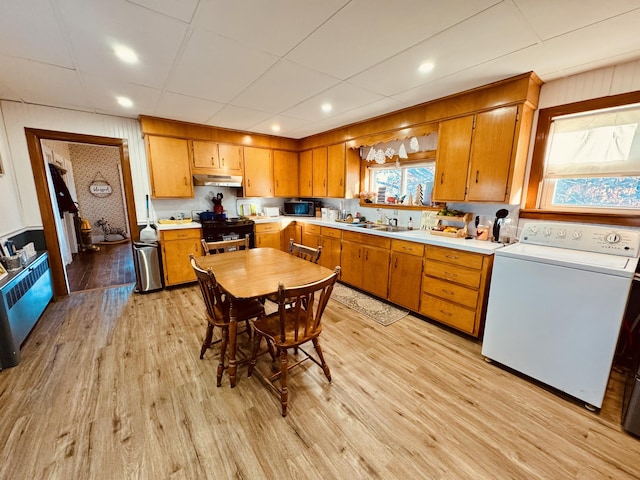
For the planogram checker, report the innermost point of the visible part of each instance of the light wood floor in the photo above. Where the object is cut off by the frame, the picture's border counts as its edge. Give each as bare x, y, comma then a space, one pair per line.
111, 387
110, 266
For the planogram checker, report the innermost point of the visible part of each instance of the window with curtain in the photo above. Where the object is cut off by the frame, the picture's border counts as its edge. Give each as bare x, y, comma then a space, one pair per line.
592, 161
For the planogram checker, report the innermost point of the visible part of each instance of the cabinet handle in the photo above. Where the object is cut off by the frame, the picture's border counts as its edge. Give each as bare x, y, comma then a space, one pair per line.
223, 161
185, 181
277, 183
248, 182
477, 173
324, 182
366, 255
340, 182
450, 275
442, 178
454, 257
447, 292
213, 162
448, 314
396, 264
309, 183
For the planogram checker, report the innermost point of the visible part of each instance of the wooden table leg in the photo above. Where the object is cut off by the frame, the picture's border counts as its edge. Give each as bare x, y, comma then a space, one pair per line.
233, 331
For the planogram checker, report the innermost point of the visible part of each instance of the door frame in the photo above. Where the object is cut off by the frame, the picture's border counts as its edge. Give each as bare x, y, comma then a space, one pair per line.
34, 137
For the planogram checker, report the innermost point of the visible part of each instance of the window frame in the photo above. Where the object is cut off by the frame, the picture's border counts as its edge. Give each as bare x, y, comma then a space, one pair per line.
403, 166
536, 173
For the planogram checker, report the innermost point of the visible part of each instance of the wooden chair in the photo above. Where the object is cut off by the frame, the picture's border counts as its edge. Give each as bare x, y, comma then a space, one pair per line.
225, 245
291, 327
217, 306
307, 253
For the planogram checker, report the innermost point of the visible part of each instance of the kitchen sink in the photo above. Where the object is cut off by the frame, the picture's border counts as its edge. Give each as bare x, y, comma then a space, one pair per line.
381, 228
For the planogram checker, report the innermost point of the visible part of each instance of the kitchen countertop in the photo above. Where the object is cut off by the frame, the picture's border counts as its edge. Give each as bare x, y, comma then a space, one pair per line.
418, 236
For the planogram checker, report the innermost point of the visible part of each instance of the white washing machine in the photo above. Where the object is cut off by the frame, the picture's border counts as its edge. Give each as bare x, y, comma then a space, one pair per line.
556, 304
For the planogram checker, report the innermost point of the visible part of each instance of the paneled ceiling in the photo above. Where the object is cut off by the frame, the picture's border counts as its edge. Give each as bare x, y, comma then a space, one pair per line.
253, 64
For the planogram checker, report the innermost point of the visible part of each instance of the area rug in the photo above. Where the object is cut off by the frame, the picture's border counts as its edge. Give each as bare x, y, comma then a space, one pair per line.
370, 307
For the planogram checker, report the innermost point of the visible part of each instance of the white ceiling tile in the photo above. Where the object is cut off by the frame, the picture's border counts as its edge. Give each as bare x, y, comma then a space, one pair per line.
286, 125
188, 109
216, 68
450, 51
44, 84
104, 95
182, 10
550, 18
33, 36
275, 26
237, 118
96, 27
369, 31
283, 86
343, 97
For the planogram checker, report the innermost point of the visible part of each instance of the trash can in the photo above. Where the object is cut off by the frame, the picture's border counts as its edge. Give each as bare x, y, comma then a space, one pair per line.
148, 270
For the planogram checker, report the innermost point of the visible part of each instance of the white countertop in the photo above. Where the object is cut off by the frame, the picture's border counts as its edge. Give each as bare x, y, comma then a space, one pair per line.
471, 245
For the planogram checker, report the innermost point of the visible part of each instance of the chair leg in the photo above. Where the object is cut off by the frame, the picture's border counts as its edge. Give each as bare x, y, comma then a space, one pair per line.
223, 352
248, 328
256, 346
325, 367
207, 340
284, 391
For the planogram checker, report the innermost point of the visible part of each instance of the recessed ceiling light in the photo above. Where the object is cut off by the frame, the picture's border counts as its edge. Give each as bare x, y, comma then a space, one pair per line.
125, 102
275, 128
125, 54
326, 107
425, 67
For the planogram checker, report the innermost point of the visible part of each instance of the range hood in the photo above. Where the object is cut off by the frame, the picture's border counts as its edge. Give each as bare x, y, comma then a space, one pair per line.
218, 180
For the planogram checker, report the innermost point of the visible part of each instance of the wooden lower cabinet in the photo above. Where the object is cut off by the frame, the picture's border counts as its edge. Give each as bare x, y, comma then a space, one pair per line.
293, 230
326, 237
268, 235
176, 247
405, 273
365, 262
455, 287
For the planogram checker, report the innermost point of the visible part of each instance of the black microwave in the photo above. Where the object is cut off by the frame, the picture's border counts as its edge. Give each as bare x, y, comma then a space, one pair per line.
300, 208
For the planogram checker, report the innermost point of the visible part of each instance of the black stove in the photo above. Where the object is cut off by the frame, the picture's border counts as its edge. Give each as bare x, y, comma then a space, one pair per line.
228, 229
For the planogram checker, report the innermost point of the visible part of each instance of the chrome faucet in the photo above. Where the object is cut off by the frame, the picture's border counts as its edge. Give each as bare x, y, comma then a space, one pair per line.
393, 222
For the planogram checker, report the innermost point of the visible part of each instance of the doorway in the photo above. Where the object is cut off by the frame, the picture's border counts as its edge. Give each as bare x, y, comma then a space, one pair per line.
97, 265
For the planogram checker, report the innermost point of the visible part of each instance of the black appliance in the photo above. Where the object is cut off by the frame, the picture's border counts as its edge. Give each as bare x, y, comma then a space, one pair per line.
300, 208
631, 398
228, 229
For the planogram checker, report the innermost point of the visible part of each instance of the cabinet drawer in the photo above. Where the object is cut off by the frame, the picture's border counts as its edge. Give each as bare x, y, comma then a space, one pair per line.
453, 273
450, 291
267, 227
457, 257
366, 239
448, 313
181, 234
311, 229
411, 248
331, 232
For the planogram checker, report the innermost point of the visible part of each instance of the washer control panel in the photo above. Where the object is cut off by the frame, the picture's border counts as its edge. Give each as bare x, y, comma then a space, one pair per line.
587, 238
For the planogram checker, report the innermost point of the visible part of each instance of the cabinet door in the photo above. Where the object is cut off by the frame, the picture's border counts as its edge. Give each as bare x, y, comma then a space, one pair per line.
330, 256
291, 231
285, 173
491, 154
306, 174
375, 271
177, 267
258, 172
452, 160
352, 257
336, 163
230, 158
405, 274
169, 167
270, 240
320, 172
205, 155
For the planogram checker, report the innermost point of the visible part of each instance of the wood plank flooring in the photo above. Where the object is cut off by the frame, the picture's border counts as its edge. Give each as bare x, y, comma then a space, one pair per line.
111, 387
110, 266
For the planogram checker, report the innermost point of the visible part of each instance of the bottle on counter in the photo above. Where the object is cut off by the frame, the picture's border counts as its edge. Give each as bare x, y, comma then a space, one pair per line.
410, 224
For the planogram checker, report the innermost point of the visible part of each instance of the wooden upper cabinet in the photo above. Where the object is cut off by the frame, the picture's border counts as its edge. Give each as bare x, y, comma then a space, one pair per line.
212, 158
491, 154
231, 158
481, 157
305, 168
452, 160
258, 172
319, 156
285, 173
169, 167
336, 170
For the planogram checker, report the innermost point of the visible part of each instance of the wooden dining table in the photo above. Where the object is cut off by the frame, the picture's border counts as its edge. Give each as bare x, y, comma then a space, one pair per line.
256, 273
